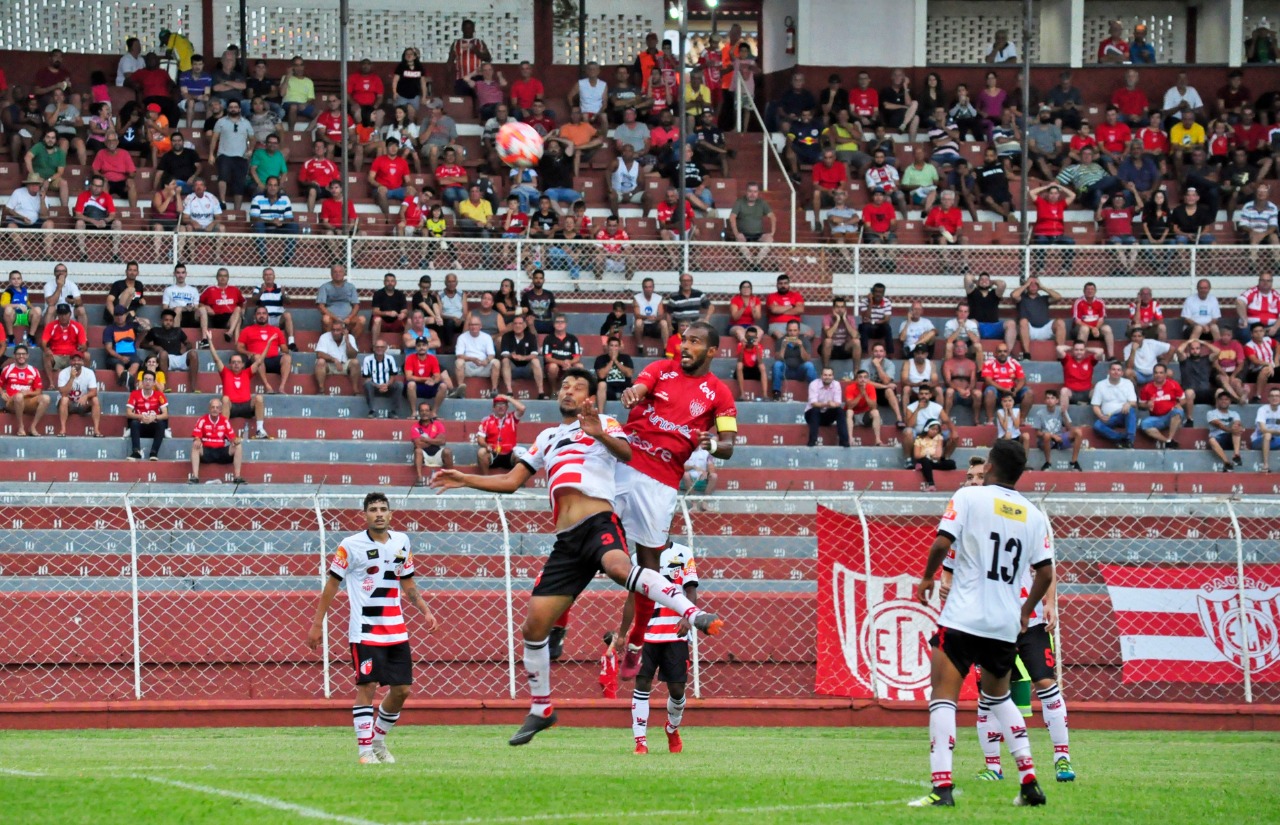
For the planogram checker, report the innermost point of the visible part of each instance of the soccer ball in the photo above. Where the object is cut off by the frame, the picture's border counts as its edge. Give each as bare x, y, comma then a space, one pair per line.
519, 145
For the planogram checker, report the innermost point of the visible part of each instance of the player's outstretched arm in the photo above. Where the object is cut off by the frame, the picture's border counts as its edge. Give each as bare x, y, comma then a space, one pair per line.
316, 633
633, 395
507, 483
937, 552
589, 420
717, 447
409, 591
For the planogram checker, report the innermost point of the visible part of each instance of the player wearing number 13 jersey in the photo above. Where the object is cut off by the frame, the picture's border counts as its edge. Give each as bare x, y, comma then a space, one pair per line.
996, 533
579, 456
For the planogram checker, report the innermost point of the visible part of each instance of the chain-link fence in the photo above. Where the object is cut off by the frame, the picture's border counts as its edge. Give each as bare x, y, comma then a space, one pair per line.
196, 596
597, 270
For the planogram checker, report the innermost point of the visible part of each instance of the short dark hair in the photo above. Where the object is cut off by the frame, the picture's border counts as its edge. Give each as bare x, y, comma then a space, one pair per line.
1048, 393
168, 313
374, 498
583, 373
1008, 460
709, 332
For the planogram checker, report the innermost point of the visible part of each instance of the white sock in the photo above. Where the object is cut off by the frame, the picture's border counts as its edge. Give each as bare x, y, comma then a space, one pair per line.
262, 427
639, 714
652, 585
942, 740
675, 713
291, 341
1054, 709
362, 718
989, 737
1009, 721
537, 667
383, 724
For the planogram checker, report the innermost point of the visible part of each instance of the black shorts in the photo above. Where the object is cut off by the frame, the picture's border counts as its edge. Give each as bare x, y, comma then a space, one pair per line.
118, 188
384, 664
422, 389
1035, 654
966, 650
614, 389
844, 353
751, 373
668, 660
272, 364
651, 330
241, 410
503, 461
219, 320
578, 554
216, 455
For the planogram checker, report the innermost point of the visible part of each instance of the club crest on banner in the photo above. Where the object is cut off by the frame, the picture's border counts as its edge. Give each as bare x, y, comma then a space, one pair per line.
1242, 628
884, 633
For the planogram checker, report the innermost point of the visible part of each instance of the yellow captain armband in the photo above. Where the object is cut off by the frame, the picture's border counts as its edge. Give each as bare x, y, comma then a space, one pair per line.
727, 424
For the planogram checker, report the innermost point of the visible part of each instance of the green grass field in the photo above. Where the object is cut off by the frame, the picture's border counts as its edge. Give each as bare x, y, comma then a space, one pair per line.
567, 775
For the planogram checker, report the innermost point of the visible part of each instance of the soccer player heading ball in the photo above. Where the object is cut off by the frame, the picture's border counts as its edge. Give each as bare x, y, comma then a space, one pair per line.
996, 533
377, 567
579, 456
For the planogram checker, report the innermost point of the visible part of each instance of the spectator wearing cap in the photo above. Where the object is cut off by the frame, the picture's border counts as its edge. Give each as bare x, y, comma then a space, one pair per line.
215, 441
77, 389
824, 407
437, 132
428, 437
381, 377
498, 435
62, 339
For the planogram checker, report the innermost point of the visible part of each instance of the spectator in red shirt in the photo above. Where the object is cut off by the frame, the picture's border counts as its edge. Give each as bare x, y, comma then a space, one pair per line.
864, 103
424, 380
117, 168
1090, 317
95, 209
1077, 373
388, 175
829, 175
1116, 220
1004, 376
1050, 227
428, 438
452, 179
1255, 139
878, 219
1162, 399
860, 400
21, 390
1229, 365
214, 441
238, 398
751, 365
525, 91
1115, 49
154, 86
147, 411
221, 307
1131, 101
498, 435
316, 175
263, 344
329, 219
329, 126
784, 306
944, 221
62, 339
1113, 138
365, 89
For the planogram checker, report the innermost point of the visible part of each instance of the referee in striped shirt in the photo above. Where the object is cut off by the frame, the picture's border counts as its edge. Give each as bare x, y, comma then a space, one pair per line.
272, 214
382, 378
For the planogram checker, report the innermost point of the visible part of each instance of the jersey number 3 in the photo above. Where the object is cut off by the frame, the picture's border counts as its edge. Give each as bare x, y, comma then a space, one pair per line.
1000, 572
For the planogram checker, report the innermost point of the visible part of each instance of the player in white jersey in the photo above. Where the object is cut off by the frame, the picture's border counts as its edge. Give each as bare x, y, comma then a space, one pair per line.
666, 652
996, 532
1035, 668
579, 456
377, 568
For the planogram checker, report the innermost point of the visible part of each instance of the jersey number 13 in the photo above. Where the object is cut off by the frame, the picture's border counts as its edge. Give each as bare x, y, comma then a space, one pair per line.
1012, 547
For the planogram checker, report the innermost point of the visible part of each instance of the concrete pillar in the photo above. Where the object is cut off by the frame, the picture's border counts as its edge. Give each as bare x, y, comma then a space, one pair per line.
1220, 32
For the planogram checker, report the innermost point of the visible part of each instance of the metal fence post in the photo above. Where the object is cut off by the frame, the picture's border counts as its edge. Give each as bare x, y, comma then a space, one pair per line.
507, 586
324, 633
135, 607
866, 557
1242, 618
693, 637
174, 249
1194, 261
349, 250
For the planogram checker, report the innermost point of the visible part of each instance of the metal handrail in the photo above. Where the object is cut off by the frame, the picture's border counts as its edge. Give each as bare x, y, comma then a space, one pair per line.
770, 149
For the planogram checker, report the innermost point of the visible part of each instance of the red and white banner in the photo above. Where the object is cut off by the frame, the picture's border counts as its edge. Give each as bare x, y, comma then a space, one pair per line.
1192, 624
873, 636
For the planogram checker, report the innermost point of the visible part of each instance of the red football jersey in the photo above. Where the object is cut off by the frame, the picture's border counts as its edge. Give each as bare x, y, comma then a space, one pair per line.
1163, 398
64, 340
1147, 315
214, 434
1005, 375
140, 402
237, 388
1077, 376
18, 379
263, 339
1089, 313
419, 369
664, 427
222, 300
499, 434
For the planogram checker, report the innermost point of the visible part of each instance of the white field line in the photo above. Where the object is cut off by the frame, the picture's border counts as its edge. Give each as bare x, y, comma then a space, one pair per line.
257, 799
700, 812
16, 772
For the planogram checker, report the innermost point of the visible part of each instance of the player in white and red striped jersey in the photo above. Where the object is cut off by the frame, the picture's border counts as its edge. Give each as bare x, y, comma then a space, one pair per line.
1090, 316
579, 456
21, 390
666, 653
677, 406
377, 568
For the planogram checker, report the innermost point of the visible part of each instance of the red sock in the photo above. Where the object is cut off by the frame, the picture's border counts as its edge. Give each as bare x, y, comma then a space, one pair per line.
644, 612
563, 621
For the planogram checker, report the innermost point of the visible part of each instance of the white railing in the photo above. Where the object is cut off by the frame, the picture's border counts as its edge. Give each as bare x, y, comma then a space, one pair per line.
769, 150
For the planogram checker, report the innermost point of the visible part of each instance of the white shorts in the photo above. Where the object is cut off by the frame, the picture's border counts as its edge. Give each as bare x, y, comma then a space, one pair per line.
177, 363
615, 265
644, 505
1044, 333
433, 459
473, 370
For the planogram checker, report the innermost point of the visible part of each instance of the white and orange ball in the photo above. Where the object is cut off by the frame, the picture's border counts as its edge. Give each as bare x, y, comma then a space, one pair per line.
519, 145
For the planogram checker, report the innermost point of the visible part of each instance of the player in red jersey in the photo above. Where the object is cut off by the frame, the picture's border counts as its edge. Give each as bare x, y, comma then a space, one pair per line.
580, 456
676, 406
